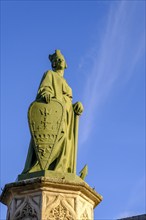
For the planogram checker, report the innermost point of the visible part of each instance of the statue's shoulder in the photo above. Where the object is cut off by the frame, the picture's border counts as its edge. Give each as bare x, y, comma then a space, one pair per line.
47, 75
48, 72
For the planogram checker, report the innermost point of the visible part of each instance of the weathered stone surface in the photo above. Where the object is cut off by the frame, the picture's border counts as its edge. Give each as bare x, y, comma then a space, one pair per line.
48, 187
50, 198
53, 122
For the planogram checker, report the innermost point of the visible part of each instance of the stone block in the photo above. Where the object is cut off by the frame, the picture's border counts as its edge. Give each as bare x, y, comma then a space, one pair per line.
50, 198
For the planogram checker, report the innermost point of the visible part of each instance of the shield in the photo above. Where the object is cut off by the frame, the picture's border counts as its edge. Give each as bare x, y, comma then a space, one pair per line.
45, 122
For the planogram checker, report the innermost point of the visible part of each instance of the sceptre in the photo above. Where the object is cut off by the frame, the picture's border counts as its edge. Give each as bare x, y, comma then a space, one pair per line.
76, 127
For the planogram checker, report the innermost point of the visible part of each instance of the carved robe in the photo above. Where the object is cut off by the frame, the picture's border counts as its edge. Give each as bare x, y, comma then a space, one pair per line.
62, 156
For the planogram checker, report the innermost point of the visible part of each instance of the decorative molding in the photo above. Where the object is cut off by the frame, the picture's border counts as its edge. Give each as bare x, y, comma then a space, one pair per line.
50, 199
60, 207
25, 212
24, 207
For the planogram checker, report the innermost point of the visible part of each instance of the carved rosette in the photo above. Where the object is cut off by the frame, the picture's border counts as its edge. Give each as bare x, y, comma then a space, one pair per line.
60, 212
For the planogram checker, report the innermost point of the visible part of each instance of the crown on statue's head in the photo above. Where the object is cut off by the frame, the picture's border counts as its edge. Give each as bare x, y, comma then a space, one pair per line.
57, 54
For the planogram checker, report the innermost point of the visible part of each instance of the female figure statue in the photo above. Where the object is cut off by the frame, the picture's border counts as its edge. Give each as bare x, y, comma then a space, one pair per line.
53, 91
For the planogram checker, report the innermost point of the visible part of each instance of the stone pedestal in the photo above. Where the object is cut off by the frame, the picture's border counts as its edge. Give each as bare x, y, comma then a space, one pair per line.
59, 197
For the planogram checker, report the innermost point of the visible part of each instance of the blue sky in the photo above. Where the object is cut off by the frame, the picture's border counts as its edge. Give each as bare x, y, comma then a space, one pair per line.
104, 45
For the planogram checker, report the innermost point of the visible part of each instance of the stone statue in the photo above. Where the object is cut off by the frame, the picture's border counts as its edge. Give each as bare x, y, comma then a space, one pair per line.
53, 122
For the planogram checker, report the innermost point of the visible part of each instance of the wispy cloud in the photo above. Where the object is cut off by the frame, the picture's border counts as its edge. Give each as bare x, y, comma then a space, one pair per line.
125, 214
114, 61
136, 197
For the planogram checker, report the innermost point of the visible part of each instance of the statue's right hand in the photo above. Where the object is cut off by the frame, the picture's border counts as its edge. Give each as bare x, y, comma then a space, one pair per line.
47, 98
45, 95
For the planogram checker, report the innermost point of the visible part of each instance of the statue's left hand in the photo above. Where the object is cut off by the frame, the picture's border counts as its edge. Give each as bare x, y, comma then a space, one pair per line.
78, 108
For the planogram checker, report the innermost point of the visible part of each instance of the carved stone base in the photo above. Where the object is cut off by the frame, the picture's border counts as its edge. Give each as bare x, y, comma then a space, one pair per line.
50, 198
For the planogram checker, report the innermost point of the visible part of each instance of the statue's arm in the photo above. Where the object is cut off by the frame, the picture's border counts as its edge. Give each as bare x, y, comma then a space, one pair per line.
46, 91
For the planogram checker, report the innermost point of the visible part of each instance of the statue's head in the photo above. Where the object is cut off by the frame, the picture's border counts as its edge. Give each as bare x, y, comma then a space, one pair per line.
57, 60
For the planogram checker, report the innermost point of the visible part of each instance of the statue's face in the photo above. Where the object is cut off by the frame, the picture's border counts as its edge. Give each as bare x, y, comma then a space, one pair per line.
58, 63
